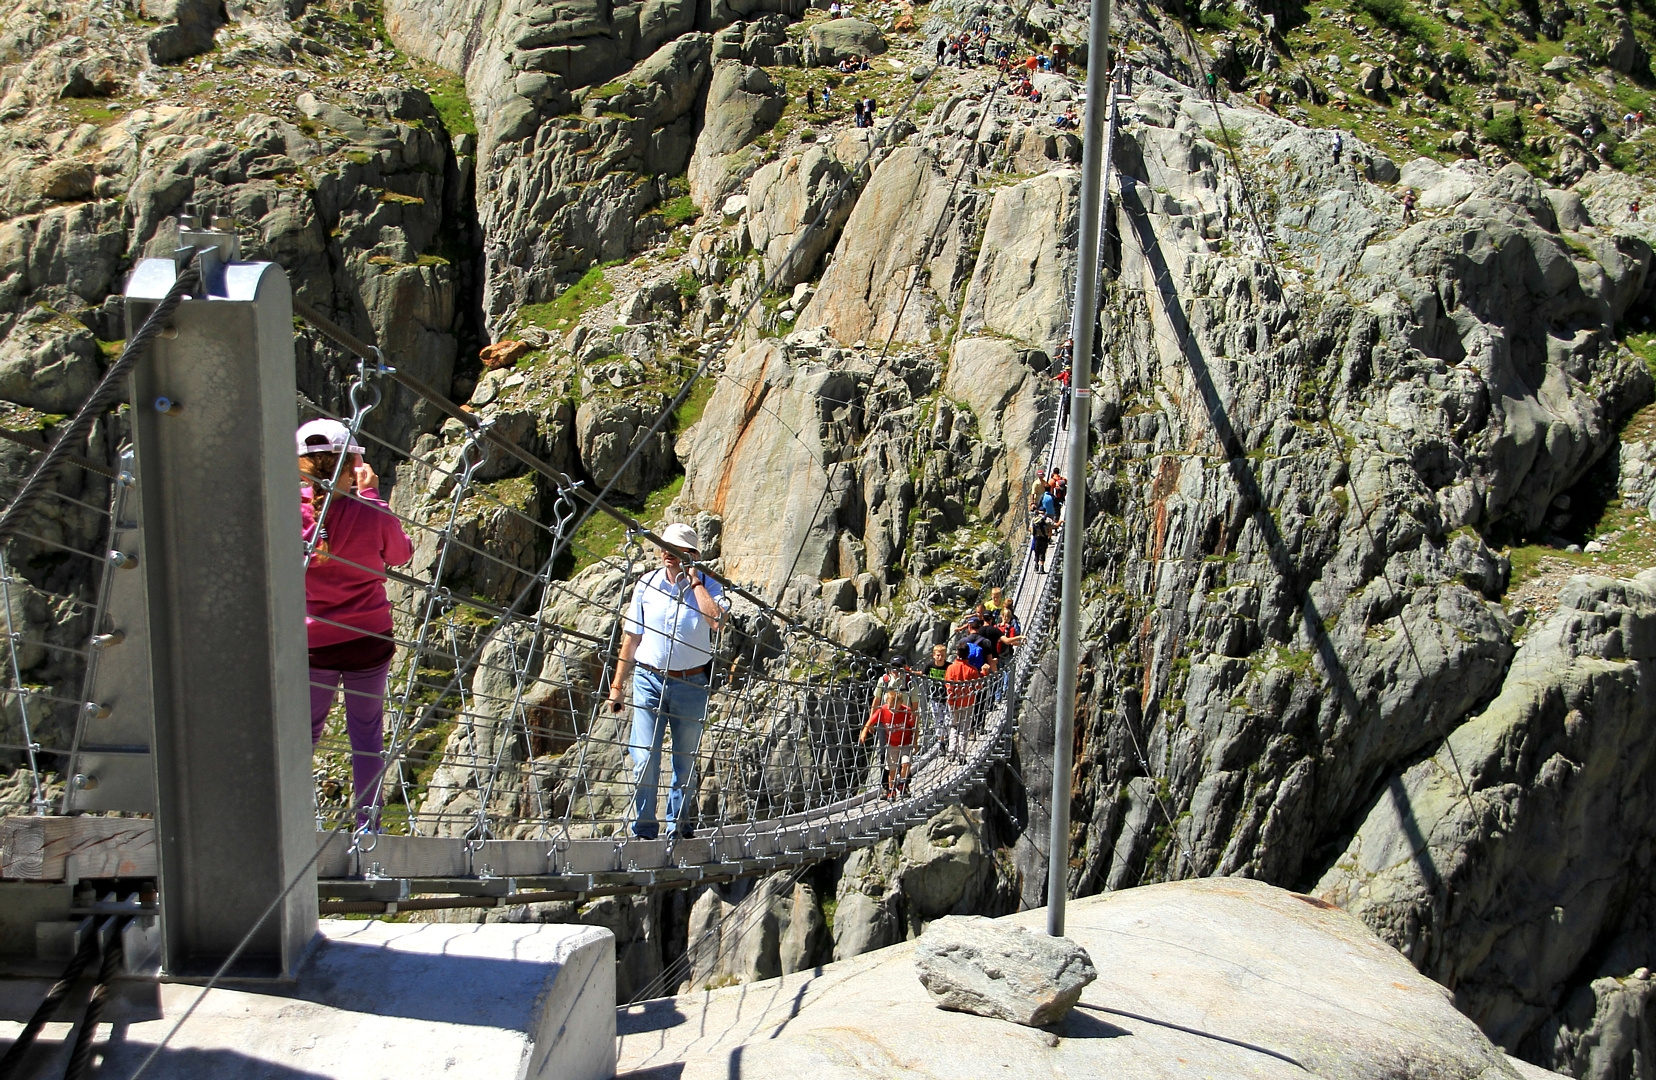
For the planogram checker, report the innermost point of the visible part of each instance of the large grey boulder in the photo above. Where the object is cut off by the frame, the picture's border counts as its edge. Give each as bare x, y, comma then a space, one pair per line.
904, 224
829, 42
978, 965
1019, 287
48, 362
785, 199
742, 104
187, 29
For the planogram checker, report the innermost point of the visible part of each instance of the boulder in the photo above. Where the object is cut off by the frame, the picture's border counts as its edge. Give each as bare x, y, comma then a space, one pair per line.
503, 354
829, 42
48, 362
187, 29
978, 965
742, 104
784, 201
63, 180
1019, 287
606, 429
904, 224
945, 864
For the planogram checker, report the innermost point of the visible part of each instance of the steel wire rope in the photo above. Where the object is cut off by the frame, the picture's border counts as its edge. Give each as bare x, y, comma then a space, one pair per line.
37, 801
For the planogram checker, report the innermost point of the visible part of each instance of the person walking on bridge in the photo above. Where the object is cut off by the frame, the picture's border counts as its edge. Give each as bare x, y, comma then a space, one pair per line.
352, 538
667, 645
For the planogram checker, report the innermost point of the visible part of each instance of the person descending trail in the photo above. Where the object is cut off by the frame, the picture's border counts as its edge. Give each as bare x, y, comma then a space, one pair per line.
352, 538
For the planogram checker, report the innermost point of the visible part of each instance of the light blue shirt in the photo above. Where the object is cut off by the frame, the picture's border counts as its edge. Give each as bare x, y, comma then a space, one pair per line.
675, 634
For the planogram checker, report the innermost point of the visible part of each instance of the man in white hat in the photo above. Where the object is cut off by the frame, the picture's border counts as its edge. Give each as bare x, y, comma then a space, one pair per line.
667, 644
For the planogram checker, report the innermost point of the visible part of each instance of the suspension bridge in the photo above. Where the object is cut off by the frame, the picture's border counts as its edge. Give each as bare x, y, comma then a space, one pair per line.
503, 777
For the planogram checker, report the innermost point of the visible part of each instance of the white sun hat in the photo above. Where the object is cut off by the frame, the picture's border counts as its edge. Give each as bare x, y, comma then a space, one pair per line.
325, 437
682, 536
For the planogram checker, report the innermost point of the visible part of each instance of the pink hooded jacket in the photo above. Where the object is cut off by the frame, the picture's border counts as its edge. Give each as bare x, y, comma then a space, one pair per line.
348, 585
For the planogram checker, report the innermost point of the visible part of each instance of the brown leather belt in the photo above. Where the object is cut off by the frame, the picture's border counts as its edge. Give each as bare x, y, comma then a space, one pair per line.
679, 674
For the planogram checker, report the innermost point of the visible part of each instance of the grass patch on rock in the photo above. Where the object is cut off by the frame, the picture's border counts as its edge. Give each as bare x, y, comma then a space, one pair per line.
602, 537
565, 310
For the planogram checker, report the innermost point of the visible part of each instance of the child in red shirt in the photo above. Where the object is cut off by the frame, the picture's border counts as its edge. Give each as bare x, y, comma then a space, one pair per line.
897, 717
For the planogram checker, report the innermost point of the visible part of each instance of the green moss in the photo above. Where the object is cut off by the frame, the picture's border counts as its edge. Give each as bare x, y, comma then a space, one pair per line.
448, 97
358, 156
679, 210
695, 403
401, 199
591, 291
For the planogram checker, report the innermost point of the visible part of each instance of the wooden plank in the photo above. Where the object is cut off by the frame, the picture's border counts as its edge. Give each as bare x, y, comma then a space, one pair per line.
39, 848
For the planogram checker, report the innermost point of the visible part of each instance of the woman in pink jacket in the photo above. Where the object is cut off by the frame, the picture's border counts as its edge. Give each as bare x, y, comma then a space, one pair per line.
347, 614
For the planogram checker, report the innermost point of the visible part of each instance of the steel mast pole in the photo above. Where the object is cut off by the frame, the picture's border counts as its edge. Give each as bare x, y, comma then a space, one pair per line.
1085, 314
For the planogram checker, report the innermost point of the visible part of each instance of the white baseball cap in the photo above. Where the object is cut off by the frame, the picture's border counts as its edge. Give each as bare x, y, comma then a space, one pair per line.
682, 536
325, 437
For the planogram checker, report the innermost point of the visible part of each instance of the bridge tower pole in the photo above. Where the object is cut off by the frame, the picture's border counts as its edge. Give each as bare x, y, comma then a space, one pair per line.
1084, 316
219, 661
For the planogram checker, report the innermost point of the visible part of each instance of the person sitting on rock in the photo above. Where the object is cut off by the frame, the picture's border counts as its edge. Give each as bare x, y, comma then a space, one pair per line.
834, 10
1069, 121
896, 719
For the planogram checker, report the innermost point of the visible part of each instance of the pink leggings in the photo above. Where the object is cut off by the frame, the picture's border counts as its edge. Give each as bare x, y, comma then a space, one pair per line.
364, 722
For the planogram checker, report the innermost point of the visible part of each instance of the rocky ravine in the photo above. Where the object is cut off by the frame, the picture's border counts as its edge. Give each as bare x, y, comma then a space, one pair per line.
1339, 461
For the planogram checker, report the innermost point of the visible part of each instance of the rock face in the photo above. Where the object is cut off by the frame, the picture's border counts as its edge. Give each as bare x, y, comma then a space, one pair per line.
976, 965
785, 199
828, 43
1560, 762
1228, 978
906, 224
1020, 287
742, 104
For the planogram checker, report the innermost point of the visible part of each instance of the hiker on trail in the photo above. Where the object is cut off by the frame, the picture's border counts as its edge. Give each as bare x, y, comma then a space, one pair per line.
1060, 57
942, 47
1627, 125
1037, 489
1063, 380
810, 99
961, 688
1057, 487
825, 99
900, 681
1409, 207
1049, 500
667, 644
896, 719
936, 693
347, 614
1633, 210
1126, 75
1040, 537
858, 110
1339, 145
